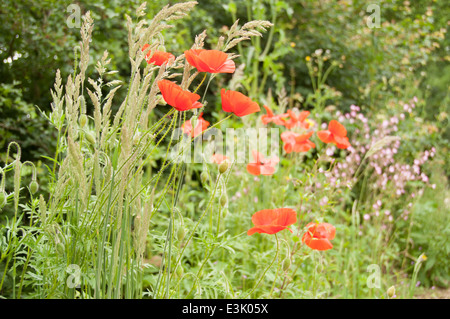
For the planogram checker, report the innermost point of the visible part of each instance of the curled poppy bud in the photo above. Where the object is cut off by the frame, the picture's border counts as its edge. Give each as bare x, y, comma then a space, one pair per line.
83, 120
238, 103
204, 177
90, 138
272, 221
211, 61
180, 271
181, 233
34, 187
223, 200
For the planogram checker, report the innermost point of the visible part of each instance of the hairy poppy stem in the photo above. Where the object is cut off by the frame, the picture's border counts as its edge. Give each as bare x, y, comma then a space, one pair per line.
264, 273
201, 83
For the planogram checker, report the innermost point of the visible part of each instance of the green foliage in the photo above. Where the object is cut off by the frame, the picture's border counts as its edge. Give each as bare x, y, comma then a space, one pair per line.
318, 56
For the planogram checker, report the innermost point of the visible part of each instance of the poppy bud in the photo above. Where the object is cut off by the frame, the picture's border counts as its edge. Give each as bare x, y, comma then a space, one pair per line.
34, 187
90, 138
223, 167
181, 233
223, 200
391, 291
82, 103
180, 271
2, 199
286, 264
83, 120
204, 177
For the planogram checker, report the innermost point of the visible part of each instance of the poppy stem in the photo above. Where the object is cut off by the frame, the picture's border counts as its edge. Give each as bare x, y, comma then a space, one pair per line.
207, 86
201, 83
223, 120
264, 273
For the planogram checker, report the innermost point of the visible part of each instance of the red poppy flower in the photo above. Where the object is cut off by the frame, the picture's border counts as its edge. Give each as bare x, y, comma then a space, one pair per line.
238, 103
318, 236
271, 221
177, 97
294, 142
158, 57
219, 158
262, 166
212, 61
336, 134
270, 117
201, 125
297, 120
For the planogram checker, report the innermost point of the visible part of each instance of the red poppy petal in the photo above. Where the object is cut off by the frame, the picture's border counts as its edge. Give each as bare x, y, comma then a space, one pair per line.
226, 103
269, 229
266, 119
268, 110
303, 137
289, 147
193, 57
319, 244
214, 59
337, 128
342, 142
330, 230
228, 67
254, 169
325, 136
169, 91
303, 115
264, 217
286, 217
267, 170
